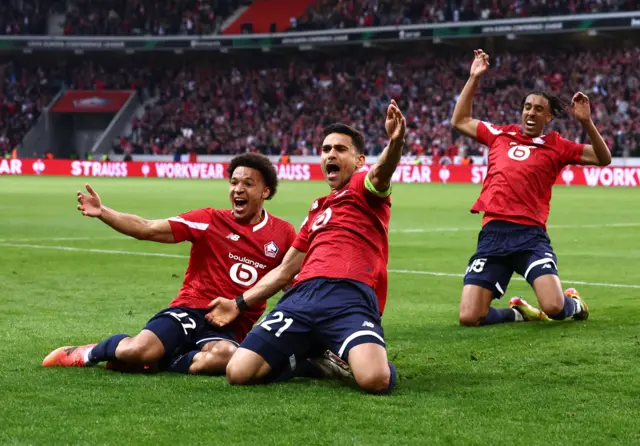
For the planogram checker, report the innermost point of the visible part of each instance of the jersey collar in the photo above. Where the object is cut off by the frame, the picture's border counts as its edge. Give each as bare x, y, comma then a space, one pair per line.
263, 222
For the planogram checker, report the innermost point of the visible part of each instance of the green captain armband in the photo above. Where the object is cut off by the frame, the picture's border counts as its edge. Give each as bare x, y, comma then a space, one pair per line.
369, 186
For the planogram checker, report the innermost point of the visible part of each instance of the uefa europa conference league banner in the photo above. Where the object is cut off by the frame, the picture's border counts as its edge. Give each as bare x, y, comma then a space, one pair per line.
406, 173
539, 25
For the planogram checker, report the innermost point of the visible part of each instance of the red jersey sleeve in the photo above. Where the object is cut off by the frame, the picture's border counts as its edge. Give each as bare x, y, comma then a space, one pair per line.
571, 151
291, 237
487, 133
301, 242
191, 225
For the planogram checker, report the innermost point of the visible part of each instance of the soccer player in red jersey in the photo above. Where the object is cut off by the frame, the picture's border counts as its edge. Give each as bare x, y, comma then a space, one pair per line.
340, 260
231, 250
523, 166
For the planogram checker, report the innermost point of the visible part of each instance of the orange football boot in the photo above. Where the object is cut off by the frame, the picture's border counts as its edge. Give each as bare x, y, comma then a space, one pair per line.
69, 356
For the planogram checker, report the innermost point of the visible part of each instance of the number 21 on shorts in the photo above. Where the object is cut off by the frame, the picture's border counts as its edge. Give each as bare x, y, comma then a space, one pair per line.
278, 317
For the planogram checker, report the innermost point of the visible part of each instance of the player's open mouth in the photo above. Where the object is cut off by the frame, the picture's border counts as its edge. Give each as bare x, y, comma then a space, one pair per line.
332, 170
530, 123
239, 204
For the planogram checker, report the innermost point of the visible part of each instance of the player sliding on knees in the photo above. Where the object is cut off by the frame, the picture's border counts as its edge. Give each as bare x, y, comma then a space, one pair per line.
340, 259
523, 166
231, 250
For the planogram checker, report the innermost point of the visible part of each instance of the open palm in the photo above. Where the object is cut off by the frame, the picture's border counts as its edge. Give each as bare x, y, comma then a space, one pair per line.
395, 123
90, 205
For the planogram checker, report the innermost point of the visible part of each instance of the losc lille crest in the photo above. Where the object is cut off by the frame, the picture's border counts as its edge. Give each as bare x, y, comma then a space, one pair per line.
271, 249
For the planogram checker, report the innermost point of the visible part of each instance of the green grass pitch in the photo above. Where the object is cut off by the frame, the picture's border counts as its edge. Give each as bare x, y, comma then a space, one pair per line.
66, 279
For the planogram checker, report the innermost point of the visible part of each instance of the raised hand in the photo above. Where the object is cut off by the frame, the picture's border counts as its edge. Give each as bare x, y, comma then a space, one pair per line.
480, 64
395, 124
90, 205
580, 107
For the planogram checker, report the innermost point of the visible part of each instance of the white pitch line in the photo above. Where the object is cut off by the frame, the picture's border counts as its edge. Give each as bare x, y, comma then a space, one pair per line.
64, 239
179, 256
477, 228
576, 282
99, 251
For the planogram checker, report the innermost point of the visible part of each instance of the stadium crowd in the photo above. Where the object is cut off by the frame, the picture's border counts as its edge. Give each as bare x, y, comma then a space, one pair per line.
23, 95
281, 105
226, 110
24, 16
328, 14
147, 17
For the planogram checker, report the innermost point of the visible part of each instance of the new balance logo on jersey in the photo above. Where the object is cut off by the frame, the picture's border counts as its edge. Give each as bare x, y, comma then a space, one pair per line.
368, 324
547, 266
271, 249
234, 237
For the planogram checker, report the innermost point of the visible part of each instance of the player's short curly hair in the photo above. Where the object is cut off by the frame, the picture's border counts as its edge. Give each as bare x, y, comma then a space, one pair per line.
344, 129
558, 106
260, 163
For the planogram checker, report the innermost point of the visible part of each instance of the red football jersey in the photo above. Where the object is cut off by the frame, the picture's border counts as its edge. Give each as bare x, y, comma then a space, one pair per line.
227, 258
521, 173
346, 236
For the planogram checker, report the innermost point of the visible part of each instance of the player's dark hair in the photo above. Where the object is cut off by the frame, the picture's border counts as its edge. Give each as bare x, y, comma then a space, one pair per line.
262, 164
356, 137
558, 106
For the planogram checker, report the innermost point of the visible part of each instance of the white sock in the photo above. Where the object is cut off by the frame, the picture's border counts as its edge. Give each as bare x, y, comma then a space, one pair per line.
519, 317
578, 306
86, 357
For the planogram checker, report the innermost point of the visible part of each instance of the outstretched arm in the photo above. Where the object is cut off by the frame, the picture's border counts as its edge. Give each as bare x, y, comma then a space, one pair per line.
224, 311
396, 126
597, 153
128, 224
462, 119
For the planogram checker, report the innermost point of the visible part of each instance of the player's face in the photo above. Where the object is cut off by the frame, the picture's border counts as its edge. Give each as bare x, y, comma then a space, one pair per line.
247, 193
340, 159
536, 113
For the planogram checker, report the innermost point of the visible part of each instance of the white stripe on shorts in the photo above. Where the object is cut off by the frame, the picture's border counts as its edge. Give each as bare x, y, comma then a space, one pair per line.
539, 262
217, 339
357, 334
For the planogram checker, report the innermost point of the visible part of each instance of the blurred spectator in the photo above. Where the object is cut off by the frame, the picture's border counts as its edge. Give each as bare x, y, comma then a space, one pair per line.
24, 16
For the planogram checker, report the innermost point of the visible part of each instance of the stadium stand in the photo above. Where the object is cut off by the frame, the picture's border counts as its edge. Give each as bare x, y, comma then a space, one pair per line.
24, 17
147, 17
280, 105
23, 95
202, 17
226, 110
328, 14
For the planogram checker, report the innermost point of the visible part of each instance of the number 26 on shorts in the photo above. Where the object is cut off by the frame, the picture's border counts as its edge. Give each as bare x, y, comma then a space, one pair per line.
278, 317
